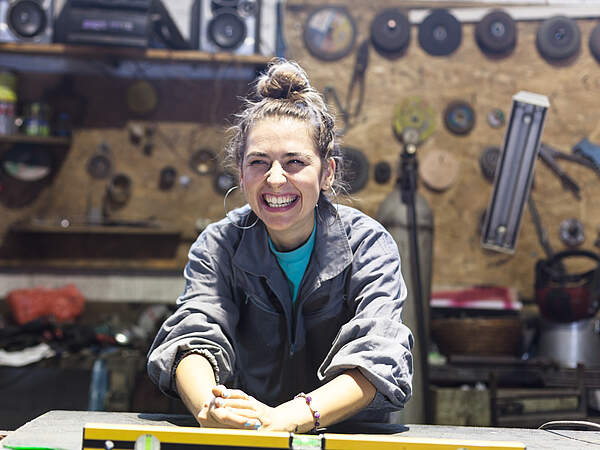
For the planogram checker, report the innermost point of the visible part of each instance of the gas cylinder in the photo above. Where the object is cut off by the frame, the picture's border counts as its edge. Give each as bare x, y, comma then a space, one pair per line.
392, 214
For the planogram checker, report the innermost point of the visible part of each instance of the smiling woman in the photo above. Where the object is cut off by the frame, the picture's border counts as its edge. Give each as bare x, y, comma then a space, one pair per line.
282, 176
291, 302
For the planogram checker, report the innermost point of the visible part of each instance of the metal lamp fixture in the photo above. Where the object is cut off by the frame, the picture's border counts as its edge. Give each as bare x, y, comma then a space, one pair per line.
514, 172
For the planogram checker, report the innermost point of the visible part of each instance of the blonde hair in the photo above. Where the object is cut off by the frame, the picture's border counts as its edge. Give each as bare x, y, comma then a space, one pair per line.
284, 91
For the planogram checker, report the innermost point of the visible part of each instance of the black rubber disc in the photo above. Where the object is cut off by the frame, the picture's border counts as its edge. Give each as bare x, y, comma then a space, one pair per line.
390, 32
558, 38
356, 169
595, 42
496, 33
459, 117
227, 30
383, 172
440, 33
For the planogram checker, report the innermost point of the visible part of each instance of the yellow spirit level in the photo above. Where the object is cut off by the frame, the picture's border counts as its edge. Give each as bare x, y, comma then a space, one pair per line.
100, 436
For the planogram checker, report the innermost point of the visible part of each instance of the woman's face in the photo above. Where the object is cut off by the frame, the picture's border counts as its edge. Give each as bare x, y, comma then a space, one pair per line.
282, 176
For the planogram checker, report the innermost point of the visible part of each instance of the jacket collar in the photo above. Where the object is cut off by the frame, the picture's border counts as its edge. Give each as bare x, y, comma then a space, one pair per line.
331, 254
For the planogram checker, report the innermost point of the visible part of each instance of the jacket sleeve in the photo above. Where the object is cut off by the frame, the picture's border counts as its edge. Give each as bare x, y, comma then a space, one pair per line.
204, 321
375, 340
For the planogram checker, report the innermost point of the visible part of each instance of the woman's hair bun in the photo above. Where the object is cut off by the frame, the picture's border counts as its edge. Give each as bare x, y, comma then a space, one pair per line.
284, 79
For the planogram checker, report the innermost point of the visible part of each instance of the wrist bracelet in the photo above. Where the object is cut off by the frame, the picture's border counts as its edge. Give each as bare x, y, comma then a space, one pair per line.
316, 414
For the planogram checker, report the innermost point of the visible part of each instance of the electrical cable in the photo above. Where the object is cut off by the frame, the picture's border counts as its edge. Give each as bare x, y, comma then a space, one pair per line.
570, 424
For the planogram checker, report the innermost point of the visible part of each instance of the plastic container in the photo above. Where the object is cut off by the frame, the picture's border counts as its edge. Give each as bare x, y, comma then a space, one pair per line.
8, 101
37, 119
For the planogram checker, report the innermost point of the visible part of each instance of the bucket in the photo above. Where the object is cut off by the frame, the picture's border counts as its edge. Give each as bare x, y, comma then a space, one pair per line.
571, 343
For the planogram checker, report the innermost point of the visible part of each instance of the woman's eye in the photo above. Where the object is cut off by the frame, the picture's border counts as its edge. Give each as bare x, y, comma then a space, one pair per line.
256, 162
296, 162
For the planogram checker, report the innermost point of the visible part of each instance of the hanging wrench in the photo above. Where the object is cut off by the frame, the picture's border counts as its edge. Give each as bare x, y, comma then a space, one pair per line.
541, 232
567, 182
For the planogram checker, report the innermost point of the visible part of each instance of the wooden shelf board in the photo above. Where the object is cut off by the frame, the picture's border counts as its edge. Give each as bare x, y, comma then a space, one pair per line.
93, 229
89, 51
43, 140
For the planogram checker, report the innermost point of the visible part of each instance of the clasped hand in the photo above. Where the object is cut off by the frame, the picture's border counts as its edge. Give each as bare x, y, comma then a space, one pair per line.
233, 408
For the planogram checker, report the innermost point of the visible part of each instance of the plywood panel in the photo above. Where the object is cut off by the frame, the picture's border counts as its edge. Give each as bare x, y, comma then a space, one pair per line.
468, 74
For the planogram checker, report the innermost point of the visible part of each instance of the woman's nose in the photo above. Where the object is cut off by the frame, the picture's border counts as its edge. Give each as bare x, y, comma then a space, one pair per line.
276, 175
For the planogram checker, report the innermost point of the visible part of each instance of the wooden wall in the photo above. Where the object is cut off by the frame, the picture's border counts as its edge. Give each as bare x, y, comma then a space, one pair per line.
468, 74
191, 115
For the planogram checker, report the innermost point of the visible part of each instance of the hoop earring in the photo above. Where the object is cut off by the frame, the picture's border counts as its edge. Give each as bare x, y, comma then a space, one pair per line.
241, 227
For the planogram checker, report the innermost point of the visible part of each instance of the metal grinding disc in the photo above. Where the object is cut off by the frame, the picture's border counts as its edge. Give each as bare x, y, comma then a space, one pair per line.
223, 182
438, 170
595, 42
355, 169
329, 33
440, 33
390, 32
204, 162
496, 33
488, 161
414, 114
27, 162
558, 38
99, 166
571, 232
382, 172
226, 29
459, 117
496, 118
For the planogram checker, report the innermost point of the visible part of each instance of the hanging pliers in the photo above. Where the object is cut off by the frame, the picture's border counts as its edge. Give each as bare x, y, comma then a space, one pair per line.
346, 111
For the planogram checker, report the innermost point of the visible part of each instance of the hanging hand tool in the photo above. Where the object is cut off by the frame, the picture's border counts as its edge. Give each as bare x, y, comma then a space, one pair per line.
567, 182
590, 152
542, 233
575, 158
357, 81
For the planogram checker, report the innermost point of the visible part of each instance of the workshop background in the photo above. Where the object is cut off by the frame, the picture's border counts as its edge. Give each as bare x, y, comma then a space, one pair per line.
112, 196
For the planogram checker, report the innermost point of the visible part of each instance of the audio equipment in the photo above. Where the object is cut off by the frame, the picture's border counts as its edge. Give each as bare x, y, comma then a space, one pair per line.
229, 26
26, 20
105, 22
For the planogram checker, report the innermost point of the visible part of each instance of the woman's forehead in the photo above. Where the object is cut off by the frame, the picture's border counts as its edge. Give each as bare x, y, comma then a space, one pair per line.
284, 135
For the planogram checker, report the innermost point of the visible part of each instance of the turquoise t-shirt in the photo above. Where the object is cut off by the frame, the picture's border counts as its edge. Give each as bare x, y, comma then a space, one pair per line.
294, 263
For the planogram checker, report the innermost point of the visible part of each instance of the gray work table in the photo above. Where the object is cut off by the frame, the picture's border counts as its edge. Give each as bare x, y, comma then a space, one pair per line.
64, 430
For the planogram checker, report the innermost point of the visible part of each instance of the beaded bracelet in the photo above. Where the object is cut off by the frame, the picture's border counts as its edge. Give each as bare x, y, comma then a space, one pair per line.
316, 414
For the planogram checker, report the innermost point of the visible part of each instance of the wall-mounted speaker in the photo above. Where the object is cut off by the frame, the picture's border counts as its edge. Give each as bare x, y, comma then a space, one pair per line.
229, 26
26, 20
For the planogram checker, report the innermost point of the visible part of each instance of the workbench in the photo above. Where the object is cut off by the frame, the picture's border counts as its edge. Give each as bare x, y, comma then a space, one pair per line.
64, 429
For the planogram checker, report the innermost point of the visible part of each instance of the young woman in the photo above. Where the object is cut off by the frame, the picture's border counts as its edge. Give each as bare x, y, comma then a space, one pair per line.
291, 302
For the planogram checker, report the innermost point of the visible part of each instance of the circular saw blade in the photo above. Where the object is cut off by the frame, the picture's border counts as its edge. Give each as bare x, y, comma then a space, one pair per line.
414, 115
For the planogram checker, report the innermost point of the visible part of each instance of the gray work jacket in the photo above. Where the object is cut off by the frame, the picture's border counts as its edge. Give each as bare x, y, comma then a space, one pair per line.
237, 311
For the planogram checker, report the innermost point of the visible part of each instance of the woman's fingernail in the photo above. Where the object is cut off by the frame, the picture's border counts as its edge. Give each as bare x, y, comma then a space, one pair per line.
257, 425
248, 424
219, 402
224, 393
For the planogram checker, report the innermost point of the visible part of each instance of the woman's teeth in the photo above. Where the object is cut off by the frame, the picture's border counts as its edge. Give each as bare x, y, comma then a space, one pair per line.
279, 201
